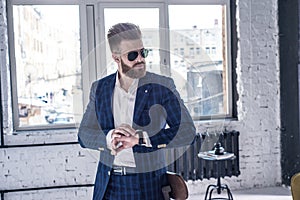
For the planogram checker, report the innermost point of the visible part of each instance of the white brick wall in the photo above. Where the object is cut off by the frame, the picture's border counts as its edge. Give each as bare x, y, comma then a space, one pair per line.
258, 85
258, 121
52, 194
44, 166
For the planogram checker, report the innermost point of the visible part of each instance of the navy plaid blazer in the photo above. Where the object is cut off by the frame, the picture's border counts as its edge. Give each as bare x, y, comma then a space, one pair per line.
158, 110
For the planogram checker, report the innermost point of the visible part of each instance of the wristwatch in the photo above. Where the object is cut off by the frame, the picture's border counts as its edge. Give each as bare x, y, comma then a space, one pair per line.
141, 137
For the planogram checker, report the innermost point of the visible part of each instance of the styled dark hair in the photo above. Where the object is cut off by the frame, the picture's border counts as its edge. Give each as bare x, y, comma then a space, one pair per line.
120, 32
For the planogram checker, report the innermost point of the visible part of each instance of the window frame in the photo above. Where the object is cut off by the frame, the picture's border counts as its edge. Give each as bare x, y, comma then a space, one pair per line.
229, 83
12, 59
165, 57
91, 33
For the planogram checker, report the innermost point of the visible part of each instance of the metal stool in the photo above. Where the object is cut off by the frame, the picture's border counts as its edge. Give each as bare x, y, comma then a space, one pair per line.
211, 156
219, 187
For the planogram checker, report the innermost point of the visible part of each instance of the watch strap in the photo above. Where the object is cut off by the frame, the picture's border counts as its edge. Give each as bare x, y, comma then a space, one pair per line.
141, 137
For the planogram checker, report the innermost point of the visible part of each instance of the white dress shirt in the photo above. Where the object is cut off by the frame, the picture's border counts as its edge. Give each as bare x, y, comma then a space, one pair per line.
123, 108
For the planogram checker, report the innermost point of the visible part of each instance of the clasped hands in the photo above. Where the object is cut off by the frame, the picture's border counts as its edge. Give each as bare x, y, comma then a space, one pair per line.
123, 137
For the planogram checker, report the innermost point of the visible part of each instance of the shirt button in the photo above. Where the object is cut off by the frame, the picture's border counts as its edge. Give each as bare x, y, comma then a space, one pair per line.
108, 173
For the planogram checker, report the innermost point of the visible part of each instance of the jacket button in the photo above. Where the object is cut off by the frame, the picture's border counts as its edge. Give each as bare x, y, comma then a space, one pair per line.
101, 149
108, 173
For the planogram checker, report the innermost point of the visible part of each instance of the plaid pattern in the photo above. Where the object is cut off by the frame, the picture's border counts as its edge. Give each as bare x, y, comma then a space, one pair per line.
123, 187
157, 104
130, 187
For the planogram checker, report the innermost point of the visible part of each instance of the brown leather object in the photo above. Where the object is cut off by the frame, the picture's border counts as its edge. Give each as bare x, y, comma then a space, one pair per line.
179, 189
295, 186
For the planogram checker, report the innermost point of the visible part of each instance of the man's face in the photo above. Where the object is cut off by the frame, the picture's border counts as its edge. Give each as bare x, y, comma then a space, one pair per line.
129, 65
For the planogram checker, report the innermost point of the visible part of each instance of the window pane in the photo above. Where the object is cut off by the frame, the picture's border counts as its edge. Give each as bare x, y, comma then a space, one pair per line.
199, 67
48, 66
149, 28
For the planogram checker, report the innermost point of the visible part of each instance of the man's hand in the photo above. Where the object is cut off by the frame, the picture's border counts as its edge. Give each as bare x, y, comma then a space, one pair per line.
123, 137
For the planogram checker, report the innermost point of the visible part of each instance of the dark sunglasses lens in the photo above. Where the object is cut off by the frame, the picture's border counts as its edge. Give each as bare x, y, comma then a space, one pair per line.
132, 55
144, 52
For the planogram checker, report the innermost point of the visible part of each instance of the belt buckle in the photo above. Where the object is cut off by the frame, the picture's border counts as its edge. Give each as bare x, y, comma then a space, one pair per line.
120, 170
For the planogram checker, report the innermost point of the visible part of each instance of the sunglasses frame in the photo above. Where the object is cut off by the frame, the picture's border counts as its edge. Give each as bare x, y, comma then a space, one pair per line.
144, 53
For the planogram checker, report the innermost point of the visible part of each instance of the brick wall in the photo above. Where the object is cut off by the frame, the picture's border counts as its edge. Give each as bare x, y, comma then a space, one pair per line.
258, 121
258, 86
259, 98
57, 194
45, 166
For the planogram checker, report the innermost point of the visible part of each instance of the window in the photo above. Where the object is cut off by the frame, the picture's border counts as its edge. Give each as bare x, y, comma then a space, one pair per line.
198, 50
207, 50
55, 57
47, 66
213, 50
182, 51
192, 51
203, 80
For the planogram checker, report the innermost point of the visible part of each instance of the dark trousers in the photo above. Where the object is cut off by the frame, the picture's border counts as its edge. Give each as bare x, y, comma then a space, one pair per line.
123, 188
130, 187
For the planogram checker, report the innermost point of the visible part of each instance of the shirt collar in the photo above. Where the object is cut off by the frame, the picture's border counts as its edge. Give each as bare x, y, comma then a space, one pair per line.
132, 87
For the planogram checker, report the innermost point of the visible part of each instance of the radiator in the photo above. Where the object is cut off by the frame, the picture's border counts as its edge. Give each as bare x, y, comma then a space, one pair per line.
193, 168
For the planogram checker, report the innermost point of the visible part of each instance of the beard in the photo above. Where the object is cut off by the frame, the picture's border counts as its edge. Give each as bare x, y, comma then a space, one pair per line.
133, 72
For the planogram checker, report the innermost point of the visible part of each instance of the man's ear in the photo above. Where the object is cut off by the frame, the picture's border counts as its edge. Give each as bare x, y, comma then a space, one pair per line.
116, 58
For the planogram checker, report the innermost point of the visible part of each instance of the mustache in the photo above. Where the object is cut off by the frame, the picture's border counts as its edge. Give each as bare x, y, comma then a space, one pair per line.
138, 63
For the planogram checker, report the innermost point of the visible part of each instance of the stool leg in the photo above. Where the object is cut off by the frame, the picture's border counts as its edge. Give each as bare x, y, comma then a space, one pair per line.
230, 197
207, 191
229, 194
211, 191
219, 186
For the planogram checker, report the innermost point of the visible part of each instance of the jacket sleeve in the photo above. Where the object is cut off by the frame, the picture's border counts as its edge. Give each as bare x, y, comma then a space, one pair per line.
180, 131
90, 134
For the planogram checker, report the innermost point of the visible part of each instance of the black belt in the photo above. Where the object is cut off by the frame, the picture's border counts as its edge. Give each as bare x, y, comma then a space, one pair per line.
121, 171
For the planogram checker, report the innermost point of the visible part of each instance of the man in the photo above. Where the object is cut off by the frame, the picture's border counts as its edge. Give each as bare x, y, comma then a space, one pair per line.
131, 117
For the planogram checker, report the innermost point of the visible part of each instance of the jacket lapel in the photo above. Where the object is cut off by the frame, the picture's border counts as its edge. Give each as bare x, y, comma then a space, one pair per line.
143, 91
107, 95
142, 95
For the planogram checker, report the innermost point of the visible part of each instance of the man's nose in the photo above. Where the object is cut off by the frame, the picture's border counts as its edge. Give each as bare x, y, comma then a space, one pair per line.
139, 58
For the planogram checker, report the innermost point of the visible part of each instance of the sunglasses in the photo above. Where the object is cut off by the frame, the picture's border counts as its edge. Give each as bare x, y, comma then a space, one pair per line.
132, 55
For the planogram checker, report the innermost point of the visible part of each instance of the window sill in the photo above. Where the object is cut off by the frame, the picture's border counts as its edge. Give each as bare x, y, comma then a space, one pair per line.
214, 125
41, 137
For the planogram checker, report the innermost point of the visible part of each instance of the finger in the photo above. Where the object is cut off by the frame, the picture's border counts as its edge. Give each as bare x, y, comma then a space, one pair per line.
119, 144
121, 132
121, 139
116, 135
113, 152
115, 143
128, 129
119, 149
127, 142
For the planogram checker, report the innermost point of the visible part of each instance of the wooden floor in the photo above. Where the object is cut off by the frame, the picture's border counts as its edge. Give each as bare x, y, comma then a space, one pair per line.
272, 193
